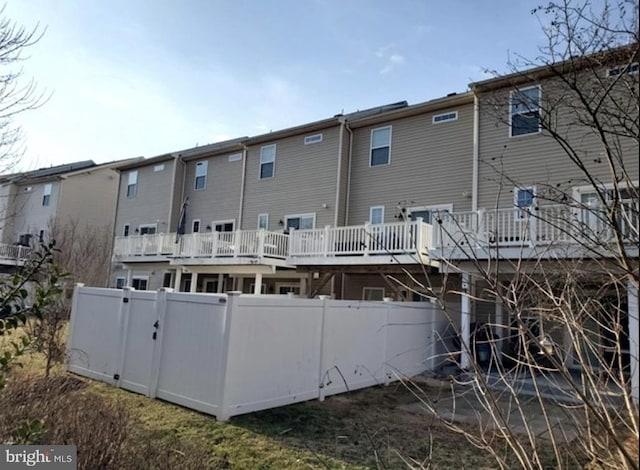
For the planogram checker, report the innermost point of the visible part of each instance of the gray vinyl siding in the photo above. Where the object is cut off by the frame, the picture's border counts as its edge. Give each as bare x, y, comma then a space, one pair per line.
536, 159
305, 179
30, 215
178, 195
220, 200
430, 164
152, 201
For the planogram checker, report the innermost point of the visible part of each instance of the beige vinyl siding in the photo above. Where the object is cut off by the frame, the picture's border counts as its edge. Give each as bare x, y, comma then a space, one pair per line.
152, 201
535, 159
221, 198
305, 179
431, 164
89, 198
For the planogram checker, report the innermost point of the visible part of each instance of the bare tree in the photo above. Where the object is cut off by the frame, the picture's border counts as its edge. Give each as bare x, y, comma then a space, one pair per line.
16, 94
567, 301
82, 251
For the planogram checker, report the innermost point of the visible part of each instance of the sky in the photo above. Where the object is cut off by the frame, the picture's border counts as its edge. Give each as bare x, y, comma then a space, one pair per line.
131, 78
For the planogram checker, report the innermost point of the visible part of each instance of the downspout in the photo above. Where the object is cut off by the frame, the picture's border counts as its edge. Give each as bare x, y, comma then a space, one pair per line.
245, 150
476, 144
339, 177
176, 159
115, 228
346, 208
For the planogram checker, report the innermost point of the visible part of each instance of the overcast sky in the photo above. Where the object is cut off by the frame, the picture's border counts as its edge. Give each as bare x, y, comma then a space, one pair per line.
146, 77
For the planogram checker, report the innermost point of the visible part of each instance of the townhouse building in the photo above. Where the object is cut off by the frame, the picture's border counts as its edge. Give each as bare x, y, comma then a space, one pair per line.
398, 200
37, 205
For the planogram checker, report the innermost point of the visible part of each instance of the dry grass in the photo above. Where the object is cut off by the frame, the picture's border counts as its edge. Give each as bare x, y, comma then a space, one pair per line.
113, 428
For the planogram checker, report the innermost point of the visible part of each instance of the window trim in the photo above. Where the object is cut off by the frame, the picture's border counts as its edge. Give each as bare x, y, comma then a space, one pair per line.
266, 215
521, 211
193, 226
442, 115
372, 148
223, 222
141, 226
539, 110
132, 184
140, 278
201, 164
370, 288
313, 139
46, 194
124, 282
262, 162
300, 216
371, 209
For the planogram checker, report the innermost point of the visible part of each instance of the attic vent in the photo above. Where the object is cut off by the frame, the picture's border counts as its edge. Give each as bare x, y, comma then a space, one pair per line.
313, 139
159, 167
236, 157
28, 189
438, 118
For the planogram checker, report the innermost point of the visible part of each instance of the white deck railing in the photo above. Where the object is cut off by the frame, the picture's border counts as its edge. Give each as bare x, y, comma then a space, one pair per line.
241, 243
362, 240
544, 225
15, 253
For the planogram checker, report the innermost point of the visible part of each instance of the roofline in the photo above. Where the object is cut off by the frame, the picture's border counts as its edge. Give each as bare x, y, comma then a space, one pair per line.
550, 70
296, 130
141, 161
212, 149
415, 109
116, 165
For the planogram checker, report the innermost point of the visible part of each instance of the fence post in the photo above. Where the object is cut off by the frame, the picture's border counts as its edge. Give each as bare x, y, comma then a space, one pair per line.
123, 323
325, 247
74, 312
261, 243
161, 310
387, 303
322, 362
223, 412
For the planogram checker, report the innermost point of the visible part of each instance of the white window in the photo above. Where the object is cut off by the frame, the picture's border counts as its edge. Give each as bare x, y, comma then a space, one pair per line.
372, 293
524, 200
236, 157
438, 118
132, 186
125, 230
201, 175
284, 289
158, 168
312, 139
140, 283
195, 226
376, 215
147, 229
525, 111
252, 288
121, 282
223, 225
380, 146
301, 221
46, 196
267, 161
263, 221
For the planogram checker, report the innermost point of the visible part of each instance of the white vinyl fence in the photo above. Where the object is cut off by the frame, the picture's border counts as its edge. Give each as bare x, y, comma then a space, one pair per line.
229, 354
